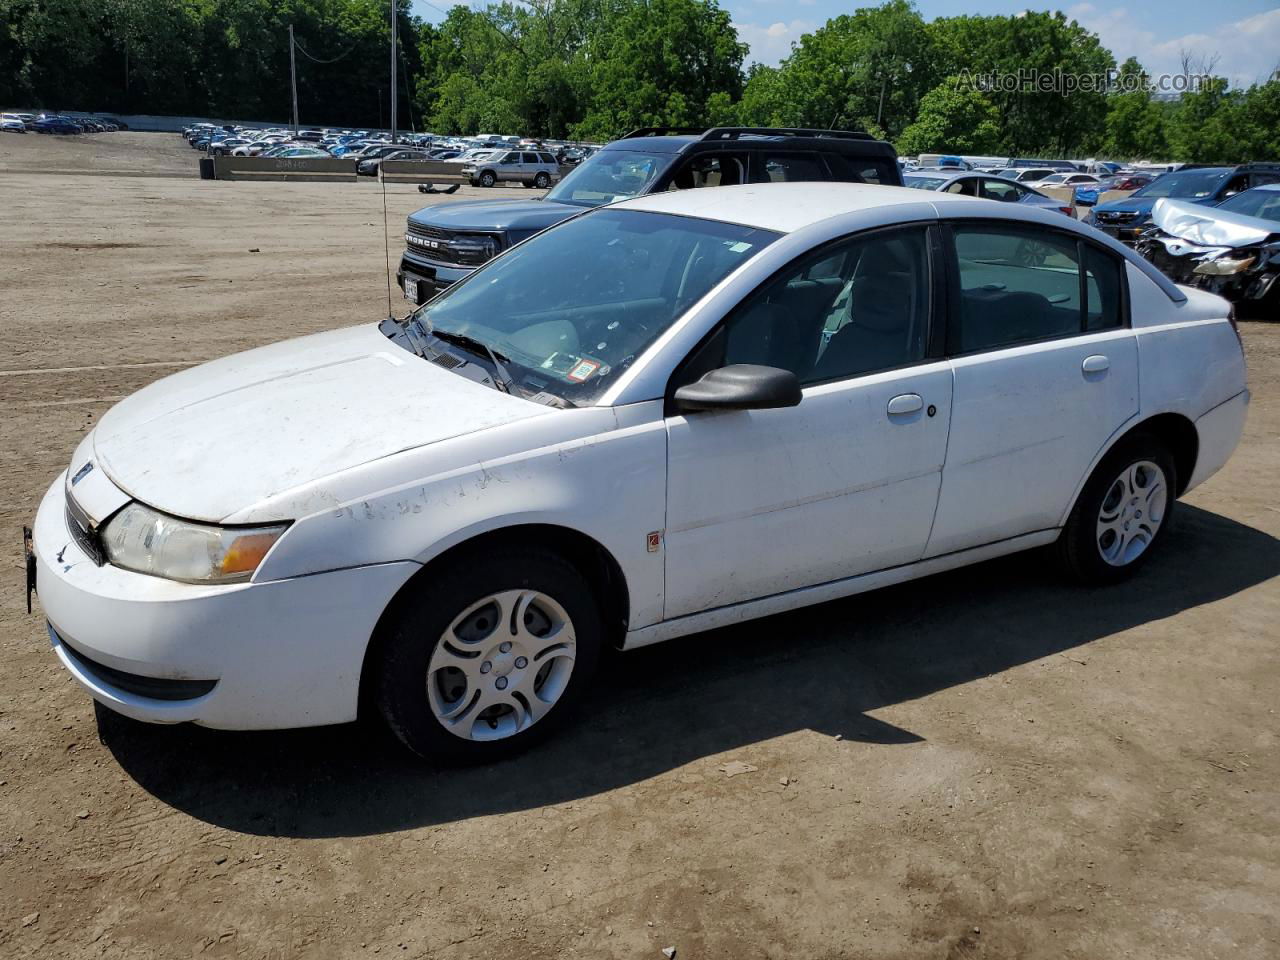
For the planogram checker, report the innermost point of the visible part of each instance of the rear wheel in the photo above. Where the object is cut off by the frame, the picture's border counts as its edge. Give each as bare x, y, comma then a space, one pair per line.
542, 181
490, 657
1122, 512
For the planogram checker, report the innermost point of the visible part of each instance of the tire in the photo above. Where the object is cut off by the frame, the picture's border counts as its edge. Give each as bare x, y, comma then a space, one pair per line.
440, 656
487, 179
542, 181
1122, 513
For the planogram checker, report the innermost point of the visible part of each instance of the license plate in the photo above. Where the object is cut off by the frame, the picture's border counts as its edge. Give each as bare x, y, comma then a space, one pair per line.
411, 289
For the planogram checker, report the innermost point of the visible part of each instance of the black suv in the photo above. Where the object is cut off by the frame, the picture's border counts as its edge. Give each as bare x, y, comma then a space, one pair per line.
445, 243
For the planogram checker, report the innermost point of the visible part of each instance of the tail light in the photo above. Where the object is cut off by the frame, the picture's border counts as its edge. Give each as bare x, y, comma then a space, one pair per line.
1069, 211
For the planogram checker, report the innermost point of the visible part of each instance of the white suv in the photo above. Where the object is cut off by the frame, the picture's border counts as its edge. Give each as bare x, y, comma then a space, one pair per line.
676, 412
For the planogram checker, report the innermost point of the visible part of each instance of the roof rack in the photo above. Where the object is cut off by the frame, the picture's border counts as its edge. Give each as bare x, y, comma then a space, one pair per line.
735, 133
663, 132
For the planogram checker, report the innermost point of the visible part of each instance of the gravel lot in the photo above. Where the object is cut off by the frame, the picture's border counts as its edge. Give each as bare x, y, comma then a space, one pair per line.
985, 764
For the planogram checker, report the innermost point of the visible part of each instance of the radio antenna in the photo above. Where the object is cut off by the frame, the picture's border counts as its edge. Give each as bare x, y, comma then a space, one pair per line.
386, 241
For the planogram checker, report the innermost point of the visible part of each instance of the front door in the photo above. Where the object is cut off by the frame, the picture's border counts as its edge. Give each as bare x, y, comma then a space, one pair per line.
765, 501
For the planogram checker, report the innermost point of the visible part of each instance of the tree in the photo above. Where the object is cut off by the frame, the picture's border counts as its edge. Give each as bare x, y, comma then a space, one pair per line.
1135, 123
1033, 56
659, 63
867, 67
955, 118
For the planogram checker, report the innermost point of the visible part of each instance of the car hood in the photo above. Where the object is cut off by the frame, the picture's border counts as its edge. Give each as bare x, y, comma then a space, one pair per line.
520, 216
1211, 227
217, 438
1127, 205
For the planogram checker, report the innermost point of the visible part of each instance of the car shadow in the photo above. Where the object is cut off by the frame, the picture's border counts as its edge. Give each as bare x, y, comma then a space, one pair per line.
821, 668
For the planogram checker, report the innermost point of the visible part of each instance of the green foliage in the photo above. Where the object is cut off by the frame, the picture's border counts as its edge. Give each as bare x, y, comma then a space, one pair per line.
1135, 123
873, 64
953, 118
593, 69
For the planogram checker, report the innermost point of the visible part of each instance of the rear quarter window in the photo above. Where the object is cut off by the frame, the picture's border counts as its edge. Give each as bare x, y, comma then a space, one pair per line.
851, 169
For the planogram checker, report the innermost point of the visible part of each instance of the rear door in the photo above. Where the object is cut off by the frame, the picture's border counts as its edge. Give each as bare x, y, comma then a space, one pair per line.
1045, 372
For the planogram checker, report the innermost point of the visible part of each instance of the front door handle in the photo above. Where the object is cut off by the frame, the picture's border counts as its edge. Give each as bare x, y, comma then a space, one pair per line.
905, 403
1096, 364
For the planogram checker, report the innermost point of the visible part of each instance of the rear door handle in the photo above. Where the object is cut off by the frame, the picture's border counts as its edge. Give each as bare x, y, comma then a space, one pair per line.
905, 403
1095, 364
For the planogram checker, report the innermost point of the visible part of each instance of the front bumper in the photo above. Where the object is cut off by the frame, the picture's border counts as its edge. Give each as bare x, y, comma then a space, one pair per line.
245, 656
431, 277
1126, 233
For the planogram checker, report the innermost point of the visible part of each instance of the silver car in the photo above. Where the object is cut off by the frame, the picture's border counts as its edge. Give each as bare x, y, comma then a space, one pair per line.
981, 185
533, 168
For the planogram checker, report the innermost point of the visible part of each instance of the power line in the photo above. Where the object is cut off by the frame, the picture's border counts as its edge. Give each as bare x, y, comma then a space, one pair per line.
303, 51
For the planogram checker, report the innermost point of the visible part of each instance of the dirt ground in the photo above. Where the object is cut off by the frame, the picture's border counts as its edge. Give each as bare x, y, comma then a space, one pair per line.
984, 764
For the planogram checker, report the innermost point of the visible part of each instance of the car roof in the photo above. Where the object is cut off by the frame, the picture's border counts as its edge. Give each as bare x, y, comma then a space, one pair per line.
785, 207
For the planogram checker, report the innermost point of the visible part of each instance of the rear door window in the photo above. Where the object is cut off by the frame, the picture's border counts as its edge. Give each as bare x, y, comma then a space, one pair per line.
772, 167
1023, 284
851, 169
530, 158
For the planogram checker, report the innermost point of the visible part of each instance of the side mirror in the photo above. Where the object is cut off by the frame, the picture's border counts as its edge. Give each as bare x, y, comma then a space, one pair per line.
740, 386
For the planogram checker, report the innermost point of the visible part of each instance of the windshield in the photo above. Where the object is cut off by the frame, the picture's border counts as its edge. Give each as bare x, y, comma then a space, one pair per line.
1191, 184
572, 307
1264, 204
924, 183
608, 176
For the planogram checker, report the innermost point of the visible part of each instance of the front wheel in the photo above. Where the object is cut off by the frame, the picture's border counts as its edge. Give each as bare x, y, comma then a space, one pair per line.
1122, 512
487, 179
542, 181
490, 657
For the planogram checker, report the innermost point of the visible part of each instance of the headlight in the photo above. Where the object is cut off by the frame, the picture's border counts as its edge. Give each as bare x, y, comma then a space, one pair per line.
1223, 268
147, 541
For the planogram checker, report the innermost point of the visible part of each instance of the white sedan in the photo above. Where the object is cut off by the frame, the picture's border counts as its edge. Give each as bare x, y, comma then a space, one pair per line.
673, 413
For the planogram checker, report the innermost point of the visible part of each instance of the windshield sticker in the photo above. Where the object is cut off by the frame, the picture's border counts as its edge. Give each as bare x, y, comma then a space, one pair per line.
738, 247
583, 370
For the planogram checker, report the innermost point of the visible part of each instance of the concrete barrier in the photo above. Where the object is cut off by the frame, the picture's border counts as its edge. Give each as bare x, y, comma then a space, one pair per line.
306, 169
1108, 195
1060, 194
421, 171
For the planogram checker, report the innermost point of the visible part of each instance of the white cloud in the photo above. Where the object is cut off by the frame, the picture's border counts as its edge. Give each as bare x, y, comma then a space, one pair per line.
1247, 50
771, 42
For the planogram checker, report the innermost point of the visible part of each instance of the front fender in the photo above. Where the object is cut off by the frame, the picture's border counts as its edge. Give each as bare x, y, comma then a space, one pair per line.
610, 486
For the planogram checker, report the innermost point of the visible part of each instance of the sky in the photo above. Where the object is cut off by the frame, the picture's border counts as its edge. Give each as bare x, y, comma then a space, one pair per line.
1243, 34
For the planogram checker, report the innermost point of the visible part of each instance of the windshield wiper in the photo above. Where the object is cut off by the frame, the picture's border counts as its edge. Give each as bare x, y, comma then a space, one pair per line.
479, 347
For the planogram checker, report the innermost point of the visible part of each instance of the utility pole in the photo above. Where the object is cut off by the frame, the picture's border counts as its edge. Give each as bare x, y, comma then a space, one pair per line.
393, 70
293, 80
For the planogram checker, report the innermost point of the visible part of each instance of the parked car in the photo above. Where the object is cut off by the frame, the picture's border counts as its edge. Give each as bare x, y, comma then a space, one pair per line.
1126, 219
987, 186
448, 519
256, 147
1087, 195
1062, 180
294, 151
1031, 175
12, 124
533, 168
1232, 249
444, 243
369, 167
56, 125
222, 147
